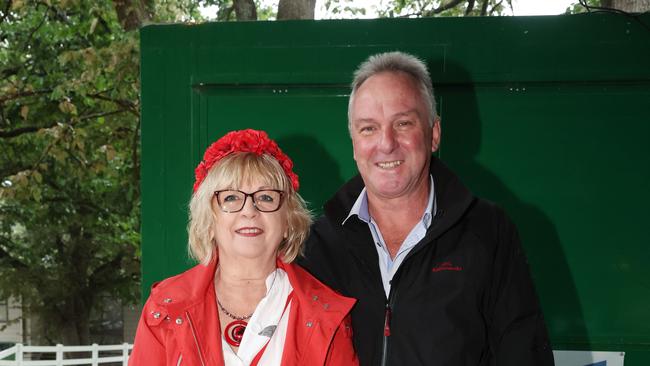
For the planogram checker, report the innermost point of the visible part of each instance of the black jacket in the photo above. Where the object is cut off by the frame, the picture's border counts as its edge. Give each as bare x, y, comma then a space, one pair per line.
462, 296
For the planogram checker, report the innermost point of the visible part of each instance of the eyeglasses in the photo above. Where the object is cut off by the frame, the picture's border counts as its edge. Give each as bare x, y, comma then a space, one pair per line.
264, 200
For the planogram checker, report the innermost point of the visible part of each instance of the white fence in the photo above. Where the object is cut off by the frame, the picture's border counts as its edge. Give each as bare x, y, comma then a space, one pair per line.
116, 354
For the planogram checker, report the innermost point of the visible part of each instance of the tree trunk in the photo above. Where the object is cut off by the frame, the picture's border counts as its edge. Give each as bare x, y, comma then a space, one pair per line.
76, 323
470, 7
630, 6
296, 9
484, 7
69, 335
132, 14
77, 333
245, 10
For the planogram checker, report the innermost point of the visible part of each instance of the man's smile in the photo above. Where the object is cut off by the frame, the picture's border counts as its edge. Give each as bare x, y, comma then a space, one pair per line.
389, 164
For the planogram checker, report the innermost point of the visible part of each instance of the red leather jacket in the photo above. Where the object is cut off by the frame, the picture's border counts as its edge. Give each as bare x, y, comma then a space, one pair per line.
180, 323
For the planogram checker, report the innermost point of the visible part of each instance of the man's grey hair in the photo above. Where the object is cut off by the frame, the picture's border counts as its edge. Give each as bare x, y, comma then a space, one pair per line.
396, 62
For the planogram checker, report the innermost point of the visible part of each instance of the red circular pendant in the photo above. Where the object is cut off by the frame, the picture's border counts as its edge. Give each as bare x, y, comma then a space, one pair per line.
234, 332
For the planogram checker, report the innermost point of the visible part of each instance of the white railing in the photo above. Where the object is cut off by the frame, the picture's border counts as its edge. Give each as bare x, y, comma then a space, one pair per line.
116, 354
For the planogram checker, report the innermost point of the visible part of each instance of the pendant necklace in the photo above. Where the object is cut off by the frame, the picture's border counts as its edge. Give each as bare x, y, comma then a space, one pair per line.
234, 331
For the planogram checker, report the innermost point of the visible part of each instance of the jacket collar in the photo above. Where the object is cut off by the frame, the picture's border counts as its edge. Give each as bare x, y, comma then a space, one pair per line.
307, 289
192, 293
183, 291
453, 198
179, 292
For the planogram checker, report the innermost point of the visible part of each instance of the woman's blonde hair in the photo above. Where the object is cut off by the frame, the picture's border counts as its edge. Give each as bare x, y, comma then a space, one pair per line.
234, 171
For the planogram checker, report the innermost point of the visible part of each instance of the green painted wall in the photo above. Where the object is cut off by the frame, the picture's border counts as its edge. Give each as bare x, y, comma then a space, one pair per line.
548, 116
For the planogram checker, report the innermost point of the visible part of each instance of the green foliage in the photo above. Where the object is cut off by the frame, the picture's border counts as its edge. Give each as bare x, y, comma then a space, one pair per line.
266, 10
69, 153
343, 9
454, 8
576, 7
225, 9
186, 11
417, 8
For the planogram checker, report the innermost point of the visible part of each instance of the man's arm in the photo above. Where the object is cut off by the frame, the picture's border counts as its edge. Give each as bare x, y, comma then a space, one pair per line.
518, 334
319, 255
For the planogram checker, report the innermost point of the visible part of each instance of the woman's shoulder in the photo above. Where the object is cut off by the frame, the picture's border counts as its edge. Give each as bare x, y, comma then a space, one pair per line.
183, 286
311, 289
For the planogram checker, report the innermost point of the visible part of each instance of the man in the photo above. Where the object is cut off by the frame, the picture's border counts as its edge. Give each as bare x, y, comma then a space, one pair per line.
439, 274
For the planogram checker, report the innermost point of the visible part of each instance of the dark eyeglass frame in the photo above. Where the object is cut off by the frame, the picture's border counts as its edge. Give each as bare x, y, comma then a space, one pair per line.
252, 196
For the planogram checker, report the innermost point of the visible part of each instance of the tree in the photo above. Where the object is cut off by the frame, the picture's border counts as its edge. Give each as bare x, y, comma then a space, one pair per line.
69, 150
296, 9
69, 155
305, 9
430, 8
628, 6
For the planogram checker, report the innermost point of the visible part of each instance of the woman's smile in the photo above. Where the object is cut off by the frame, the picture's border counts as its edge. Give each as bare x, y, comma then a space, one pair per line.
249, 231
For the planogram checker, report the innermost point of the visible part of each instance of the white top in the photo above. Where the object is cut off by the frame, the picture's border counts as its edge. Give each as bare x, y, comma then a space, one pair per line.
266, 316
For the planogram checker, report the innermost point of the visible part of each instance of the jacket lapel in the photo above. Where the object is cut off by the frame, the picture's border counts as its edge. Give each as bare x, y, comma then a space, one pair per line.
360, 244
315, 315
355, 234
206, 335
192, 308
453, 198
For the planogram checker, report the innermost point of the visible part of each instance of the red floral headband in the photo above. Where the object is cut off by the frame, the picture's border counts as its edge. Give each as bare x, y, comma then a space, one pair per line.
257, 142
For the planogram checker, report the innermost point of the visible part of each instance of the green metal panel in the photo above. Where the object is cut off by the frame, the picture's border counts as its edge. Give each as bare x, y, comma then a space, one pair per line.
545, 115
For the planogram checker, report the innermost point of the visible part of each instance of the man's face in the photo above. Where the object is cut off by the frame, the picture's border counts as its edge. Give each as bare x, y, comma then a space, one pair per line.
391, 137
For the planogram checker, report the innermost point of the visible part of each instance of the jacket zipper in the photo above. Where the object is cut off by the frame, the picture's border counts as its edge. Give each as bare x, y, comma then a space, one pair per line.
388, 312
384, 345
196, 340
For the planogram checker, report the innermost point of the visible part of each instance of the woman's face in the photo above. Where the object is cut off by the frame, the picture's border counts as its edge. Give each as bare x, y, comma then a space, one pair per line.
249, 233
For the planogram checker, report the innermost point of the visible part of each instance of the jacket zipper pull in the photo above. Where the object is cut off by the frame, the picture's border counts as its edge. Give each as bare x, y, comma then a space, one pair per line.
387, 321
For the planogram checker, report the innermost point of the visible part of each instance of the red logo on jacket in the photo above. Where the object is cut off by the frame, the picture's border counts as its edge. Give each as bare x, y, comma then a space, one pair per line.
446, 266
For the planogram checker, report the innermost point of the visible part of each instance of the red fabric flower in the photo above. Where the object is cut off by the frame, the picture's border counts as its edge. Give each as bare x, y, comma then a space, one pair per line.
257, 142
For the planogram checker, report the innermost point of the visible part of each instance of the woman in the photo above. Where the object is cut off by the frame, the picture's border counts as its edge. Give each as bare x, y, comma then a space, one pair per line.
245, 303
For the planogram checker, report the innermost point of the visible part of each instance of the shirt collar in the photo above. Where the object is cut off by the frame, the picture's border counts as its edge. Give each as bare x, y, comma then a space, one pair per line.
360, 207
